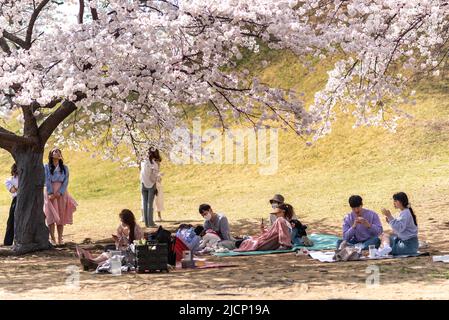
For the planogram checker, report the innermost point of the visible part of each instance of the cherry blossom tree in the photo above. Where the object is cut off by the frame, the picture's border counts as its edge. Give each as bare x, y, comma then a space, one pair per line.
125, 70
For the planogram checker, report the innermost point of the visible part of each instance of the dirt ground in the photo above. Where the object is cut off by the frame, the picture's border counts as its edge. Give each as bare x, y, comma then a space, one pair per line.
56, 274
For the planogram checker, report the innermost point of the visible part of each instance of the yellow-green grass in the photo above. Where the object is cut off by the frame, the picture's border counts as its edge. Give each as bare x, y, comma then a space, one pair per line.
316, 180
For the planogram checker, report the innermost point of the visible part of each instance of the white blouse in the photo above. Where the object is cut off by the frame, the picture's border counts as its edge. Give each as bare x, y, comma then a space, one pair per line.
12, 182
149, 173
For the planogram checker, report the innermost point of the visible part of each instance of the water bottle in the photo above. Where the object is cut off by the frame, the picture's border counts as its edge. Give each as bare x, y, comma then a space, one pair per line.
116, 265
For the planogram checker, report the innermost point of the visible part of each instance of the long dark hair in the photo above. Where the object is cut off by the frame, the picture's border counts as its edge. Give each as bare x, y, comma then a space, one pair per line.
288, 209
50, 161
128, 218
14, 171
153, 154
403, 199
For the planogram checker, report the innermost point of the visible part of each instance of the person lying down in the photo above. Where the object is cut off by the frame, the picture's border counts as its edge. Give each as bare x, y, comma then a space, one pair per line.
210, 241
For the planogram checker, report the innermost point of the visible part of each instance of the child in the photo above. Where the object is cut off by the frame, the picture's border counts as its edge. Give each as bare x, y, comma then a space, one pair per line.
299, 234
209, 240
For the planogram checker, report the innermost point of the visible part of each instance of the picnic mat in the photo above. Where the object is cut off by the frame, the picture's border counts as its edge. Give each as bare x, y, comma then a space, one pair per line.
207, 265
320, 242
328, 256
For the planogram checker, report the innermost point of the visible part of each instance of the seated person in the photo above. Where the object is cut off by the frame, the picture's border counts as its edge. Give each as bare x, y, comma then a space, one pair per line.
404, 241
215, 221
361, 227
275, 202
209, 240
299, 234
278, 236
190, 236
127, 232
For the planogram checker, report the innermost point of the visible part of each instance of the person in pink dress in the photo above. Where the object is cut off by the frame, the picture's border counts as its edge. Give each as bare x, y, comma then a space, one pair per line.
59, 206
278, 236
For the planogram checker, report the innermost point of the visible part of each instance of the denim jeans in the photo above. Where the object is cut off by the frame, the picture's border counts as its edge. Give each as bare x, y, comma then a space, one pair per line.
403, 247
296, 239
371, 241
147, 202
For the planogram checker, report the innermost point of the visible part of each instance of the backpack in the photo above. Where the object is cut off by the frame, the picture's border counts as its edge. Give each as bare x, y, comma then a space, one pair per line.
189, 237
301, 227
165, 236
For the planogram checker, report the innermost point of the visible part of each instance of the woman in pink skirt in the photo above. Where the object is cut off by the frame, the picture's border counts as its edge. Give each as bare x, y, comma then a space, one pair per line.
58, 204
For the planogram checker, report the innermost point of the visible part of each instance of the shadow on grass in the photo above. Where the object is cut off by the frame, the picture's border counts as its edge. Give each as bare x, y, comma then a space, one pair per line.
52, 270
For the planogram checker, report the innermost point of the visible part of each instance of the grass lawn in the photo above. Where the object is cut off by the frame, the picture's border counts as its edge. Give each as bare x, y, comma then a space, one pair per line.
316, 180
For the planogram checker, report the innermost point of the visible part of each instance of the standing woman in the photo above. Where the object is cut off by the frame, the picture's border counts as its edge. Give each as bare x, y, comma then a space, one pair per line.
149, 173
404, 241
12, 184
59, 206
159, 198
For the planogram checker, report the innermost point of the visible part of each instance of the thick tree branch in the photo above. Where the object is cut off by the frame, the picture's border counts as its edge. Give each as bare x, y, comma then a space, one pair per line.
49, 105
53, 121
21, 43
5, 143
33, 19
26, 44
94, 13
8, 139
4, 46
3, 130
81, 12
30, 128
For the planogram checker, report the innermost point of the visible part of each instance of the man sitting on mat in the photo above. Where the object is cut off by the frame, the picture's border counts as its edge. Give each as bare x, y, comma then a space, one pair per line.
215, 221
361, 227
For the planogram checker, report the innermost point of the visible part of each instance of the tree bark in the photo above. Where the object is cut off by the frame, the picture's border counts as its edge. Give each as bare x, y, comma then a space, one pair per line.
30, 231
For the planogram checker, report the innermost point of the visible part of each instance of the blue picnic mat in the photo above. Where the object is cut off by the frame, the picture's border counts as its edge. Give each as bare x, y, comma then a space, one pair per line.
320, 242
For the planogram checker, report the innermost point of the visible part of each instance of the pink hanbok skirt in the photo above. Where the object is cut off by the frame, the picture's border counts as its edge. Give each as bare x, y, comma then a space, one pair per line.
277, 235
59, 210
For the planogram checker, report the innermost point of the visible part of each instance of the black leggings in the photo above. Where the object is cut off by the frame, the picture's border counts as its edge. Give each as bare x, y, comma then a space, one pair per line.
9, 235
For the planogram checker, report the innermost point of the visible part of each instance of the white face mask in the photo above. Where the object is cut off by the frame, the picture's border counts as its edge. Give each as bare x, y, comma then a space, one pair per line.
207, 217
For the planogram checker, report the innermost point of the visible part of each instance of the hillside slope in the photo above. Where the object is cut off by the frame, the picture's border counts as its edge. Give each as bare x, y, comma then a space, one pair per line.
316, 180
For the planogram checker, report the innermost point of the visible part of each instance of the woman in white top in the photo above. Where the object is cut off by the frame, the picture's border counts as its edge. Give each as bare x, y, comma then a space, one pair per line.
12, 184
149, 174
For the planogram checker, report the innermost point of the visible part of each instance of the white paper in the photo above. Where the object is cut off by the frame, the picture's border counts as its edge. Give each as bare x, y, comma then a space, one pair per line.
441, 259
322, 256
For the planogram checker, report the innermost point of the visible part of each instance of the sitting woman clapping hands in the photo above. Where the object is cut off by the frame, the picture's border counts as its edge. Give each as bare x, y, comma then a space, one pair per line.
404, 240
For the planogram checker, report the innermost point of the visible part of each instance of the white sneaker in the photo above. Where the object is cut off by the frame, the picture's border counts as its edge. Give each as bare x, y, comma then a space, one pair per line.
384, 251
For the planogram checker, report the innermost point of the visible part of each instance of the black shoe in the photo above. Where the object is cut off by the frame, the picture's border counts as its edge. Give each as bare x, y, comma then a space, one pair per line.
88, 264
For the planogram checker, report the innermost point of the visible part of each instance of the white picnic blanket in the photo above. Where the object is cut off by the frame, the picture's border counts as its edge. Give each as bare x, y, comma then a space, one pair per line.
328, 256
322, 256
444, 259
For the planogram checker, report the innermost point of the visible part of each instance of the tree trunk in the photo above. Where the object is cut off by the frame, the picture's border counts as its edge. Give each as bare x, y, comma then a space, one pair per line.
30, 230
